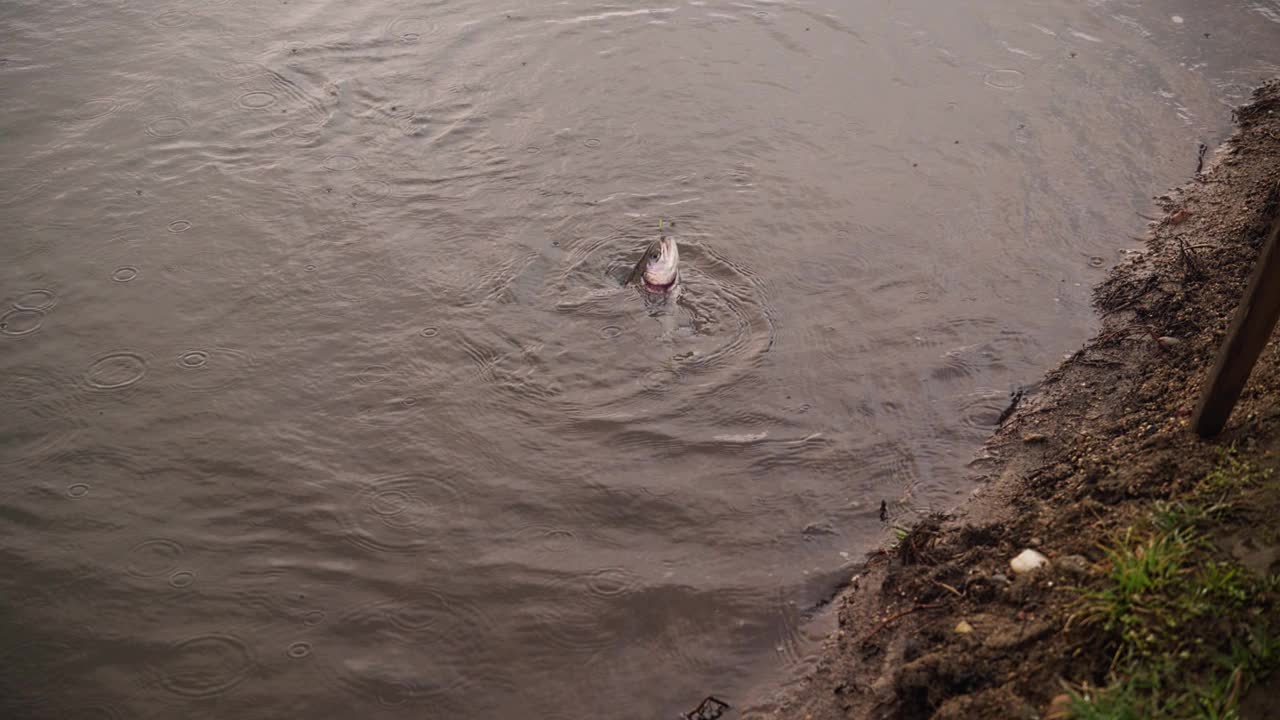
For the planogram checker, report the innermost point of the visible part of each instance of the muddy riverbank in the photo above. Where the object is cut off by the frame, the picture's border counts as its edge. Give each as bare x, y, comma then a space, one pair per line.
1163, 548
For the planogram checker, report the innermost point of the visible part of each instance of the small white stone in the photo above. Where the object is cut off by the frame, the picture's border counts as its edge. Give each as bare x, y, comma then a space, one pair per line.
964, 628
1027, 561
1177, 19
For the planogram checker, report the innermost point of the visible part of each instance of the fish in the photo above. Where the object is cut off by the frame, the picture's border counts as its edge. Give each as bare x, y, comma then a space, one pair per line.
658, 270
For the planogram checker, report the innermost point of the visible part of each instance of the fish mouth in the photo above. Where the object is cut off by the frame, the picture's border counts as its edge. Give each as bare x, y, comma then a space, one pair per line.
656, 288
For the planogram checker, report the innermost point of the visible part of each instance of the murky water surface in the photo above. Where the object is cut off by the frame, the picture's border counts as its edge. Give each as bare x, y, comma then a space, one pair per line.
320, 399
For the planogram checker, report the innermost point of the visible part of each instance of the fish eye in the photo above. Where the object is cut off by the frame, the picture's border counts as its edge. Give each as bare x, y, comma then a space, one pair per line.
653, 255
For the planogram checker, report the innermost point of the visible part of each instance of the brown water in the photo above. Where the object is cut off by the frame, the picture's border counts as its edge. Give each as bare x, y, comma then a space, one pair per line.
320, 399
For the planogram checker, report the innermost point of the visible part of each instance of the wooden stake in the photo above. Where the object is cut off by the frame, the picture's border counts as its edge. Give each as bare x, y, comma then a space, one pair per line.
1250, 329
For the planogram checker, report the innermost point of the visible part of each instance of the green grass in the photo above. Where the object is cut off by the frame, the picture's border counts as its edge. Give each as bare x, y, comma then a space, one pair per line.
1190, 631
1231, 473
1168, 516
1162, 692
900, 533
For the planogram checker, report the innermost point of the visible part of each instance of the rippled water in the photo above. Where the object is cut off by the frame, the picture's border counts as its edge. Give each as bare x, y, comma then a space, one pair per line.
320, 397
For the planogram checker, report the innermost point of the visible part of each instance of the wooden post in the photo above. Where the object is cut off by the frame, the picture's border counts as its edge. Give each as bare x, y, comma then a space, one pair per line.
1250, 329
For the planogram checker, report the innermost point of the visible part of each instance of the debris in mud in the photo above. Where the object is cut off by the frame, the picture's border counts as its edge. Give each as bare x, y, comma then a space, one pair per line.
916, 546
1014, 398
1190, 268
711, 708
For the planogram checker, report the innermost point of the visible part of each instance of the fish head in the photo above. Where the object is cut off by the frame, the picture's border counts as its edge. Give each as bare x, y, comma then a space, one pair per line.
660, 263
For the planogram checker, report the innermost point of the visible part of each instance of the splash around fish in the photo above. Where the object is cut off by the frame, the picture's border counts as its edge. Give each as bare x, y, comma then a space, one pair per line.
658, 270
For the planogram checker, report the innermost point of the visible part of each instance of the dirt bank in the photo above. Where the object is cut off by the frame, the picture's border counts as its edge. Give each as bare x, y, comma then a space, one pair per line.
1161, 596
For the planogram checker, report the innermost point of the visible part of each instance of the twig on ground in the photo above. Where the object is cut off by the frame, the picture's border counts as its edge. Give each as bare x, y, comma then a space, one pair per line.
1014, 399
947, 587
1109, 306
894, 618
1190, 268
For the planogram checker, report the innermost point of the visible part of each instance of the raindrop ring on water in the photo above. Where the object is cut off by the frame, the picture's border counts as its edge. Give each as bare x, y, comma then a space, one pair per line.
173, 19
399, 513
193, 359
153, 558
1003, 79
42, 300
390, 502
611, 582
170, 126
299, 650
373, 375
19, 322
549, 539
341, 163
205, 665
371, 191
610, 331
256, 100
429, 332
1096, 261
592, 142
182, 579
116, 371
410, 29
98, 107
124, 274
179, 226
658, 379
206, 370
77, 490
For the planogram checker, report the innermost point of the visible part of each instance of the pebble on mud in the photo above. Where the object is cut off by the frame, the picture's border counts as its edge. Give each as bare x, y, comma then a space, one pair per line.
964, 628
1027, 560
